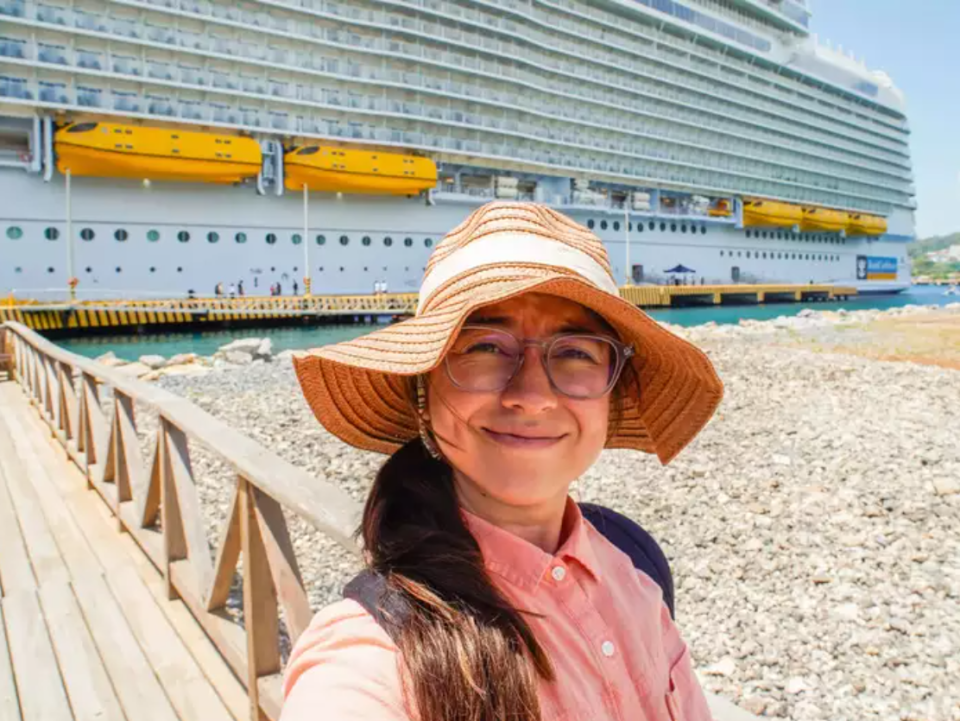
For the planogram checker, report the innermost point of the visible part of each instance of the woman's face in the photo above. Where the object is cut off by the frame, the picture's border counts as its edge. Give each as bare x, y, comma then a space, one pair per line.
523, 445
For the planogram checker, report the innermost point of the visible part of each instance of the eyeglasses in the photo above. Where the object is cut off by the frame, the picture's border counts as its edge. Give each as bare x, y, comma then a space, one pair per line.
485, 359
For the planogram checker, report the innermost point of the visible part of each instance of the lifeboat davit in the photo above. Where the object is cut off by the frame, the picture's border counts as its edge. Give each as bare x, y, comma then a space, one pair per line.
823, 219
758, 212
133, 151
345, 170
864, 224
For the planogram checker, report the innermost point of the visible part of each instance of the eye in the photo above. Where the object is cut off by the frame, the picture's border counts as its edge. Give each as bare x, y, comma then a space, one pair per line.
482, 347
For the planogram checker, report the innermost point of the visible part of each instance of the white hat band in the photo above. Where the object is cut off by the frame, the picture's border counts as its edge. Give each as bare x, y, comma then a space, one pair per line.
501, 248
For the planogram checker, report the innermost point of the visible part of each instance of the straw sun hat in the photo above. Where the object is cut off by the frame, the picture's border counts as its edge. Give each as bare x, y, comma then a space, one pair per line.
359, 389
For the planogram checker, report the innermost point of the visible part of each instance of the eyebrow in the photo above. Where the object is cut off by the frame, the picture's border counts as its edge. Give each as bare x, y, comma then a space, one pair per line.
568, 327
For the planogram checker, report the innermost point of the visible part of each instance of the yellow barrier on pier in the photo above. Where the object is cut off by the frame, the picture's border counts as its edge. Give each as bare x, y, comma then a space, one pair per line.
132, 314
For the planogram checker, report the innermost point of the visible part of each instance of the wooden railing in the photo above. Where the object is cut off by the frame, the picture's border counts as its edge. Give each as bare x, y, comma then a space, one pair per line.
155, 499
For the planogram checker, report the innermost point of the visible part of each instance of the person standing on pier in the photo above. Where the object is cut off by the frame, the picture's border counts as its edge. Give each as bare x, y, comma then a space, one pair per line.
296, 288
240, 291
233, 290
488, 594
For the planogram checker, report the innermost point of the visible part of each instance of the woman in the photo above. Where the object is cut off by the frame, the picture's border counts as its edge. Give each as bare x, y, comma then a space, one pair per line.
521, 364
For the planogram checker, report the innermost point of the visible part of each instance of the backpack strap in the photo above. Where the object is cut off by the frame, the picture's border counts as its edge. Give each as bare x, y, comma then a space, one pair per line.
640, 546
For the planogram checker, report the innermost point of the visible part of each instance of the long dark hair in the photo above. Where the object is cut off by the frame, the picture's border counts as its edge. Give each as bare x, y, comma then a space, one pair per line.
469, 654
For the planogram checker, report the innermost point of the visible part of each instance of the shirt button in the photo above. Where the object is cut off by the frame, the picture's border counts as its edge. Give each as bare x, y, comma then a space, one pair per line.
558, 573
608, 648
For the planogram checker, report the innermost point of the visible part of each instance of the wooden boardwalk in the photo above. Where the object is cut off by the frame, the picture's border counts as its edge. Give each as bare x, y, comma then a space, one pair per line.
87, 631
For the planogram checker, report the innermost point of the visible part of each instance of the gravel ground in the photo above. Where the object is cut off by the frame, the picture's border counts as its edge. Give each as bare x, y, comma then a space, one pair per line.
813, 527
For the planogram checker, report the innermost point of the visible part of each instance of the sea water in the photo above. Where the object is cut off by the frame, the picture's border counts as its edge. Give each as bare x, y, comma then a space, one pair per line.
207, 343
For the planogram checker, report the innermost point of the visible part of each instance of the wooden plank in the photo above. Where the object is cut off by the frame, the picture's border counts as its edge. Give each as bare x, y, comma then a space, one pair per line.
9, 703
282, 559
259, 601
129, 470
16, 573
228, 553
42, 696
138, 689
92, 698
188, 501
148, 499
189, 691
44, 555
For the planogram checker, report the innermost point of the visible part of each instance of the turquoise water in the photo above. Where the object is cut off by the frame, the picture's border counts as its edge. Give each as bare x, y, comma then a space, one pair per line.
132, 347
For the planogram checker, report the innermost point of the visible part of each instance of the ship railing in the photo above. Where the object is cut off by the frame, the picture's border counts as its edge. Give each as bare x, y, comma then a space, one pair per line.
136, 445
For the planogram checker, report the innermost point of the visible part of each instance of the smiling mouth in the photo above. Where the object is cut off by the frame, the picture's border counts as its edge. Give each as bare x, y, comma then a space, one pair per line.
515, 441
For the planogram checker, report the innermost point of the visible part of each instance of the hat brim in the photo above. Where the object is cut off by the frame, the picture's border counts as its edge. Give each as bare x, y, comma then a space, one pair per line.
358, 389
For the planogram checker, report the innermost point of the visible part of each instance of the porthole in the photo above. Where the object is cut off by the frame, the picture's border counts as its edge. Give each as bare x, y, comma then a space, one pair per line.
341, 268
428, 242
153, 269
408, 242
50, 269
179, 268
590, 224
118, 269
296, 239
764, 255
321, 239
651, 225
616, 225
344, 240
14, 232
87, 234
240, 238
51, 233
153, 235
365, 240
603, 225
18, 269
663, 226
703, 230
639, 227
88, 269
273, 269
183, 236
213, 237
749, 233
748, 253
683, 228
721, 253
271, 238
673, 227
388, 241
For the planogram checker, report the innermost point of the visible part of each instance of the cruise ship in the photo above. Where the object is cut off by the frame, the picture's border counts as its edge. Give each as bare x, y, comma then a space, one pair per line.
156, 148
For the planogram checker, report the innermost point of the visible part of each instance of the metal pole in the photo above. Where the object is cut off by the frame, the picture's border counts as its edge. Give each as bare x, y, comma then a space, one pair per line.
626, 235
306, 242
70, 284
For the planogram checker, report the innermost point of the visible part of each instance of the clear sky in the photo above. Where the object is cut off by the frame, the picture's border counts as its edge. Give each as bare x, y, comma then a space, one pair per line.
917, 43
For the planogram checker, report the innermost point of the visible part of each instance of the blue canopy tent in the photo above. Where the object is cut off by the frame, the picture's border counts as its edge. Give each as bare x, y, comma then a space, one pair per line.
680, 269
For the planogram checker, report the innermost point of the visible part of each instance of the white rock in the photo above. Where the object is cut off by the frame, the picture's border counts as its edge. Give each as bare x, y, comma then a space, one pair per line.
113, 361
245, 345
946, 486
724, 667
238, 357
187, 369
846, 612
182, 359
153, 361
136, 369
106, 357
796, 685
265, 349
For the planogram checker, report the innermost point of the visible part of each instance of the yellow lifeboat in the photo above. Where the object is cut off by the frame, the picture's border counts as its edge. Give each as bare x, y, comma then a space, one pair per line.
345, 170
864, 224
720, 208
771, 213
823, 219
133, 151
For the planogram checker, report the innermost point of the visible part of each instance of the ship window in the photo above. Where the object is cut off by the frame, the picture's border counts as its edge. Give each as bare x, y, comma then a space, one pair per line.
388, 241
590, 224
213, 237
603, 225
616, 225
703, 230
179, 269
153, 235
428, 242
88, 269
271, 238
87, 234
663, 226
50, 269
121, 235
748, 253
408, 242
764, 255
118, 269
308, 151
183, 236
748, 233
739, 253
721, 253
673, 227
629, 226
51, 233
366, 240
14, 232
296, 239
651, 225
341, 268
81, 127
639, 227
321, 239
18, 269
683, 228
344, 240
240, 237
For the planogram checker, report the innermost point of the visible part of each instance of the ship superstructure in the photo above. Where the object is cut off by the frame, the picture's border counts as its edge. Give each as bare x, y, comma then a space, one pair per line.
713, 134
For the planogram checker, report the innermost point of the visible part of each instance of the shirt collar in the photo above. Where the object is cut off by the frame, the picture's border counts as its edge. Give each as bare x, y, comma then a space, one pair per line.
525, 564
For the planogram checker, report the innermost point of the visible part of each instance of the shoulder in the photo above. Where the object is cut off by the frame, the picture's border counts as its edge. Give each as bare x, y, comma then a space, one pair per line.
343, 662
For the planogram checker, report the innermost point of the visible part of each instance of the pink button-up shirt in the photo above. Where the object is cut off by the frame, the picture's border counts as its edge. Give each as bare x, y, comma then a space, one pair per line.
616, 652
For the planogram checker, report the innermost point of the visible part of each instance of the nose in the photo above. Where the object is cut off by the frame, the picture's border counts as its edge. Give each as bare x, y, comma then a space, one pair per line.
530, 391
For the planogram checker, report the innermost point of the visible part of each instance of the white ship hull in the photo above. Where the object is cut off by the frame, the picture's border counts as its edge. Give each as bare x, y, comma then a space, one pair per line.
35, 267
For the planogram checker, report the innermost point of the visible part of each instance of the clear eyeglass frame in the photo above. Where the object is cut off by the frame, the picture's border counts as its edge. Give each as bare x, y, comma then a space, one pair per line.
623, 353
